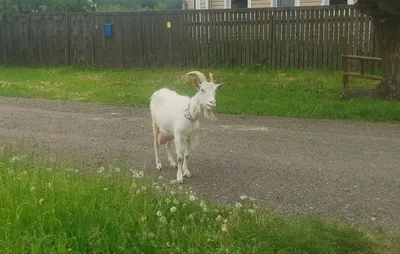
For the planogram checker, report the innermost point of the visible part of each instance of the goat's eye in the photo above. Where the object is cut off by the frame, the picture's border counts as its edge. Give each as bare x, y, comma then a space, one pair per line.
202, 90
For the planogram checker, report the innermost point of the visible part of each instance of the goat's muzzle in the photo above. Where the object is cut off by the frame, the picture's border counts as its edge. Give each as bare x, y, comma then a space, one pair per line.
212, 104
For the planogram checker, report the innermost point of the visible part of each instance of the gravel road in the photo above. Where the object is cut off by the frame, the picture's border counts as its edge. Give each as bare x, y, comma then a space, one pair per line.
343, 169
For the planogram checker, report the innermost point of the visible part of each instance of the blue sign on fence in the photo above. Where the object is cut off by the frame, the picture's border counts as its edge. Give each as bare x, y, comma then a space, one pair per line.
108, 30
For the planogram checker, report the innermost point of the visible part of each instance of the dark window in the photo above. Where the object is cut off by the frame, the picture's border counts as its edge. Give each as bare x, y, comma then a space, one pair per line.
239, 4
285, 3
337, 2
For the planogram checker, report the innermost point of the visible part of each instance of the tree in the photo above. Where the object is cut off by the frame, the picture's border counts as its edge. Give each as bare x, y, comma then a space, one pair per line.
386, 19
137, 5
10, 7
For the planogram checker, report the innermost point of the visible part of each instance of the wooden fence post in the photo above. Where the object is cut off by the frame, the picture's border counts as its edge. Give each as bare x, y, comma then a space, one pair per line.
2, 31
68, 18
344, 61
30, 41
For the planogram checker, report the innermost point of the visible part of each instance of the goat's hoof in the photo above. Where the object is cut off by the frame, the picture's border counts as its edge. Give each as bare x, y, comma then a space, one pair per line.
159, 167
188, 175
173, 164
179, 180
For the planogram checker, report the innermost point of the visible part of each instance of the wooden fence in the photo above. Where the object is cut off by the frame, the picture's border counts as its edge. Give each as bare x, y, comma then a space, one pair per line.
301, 37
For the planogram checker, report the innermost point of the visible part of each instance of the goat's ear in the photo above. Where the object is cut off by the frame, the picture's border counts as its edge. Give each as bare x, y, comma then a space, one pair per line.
221, 86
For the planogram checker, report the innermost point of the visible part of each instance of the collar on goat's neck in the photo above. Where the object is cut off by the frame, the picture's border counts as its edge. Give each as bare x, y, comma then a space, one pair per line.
193, 110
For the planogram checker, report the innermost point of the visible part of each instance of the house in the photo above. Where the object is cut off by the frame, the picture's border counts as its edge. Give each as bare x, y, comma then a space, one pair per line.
234, 4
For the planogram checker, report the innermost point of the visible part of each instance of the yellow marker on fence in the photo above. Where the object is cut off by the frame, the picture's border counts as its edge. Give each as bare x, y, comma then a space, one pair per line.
168, 24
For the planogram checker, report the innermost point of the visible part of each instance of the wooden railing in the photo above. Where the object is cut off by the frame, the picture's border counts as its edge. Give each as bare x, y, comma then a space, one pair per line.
345, 57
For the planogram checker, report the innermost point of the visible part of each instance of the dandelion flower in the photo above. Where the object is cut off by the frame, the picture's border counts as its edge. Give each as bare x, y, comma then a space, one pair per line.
243, 197
176, 201
172, 192
15, 158
134, 185
205, 209
163, 219
159, 213
238, 205
105, 189
143, 188
33, 188
184, 205
138, 192
224, 228
251, 211
226, 221
192, 198
167, 200
183, 228
219, 218
173, 209
101, 169
49, 169
41, 201
117, 169
160, 178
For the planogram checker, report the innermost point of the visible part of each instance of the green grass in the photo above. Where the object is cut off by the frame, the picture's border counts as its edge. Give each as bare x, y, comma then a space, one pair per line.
293, 93
48, 209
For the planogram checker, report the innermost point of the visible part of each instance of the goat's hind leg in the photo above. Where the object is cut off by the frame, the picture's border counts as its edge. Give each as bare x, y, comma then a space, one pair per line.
170, 152
156, 131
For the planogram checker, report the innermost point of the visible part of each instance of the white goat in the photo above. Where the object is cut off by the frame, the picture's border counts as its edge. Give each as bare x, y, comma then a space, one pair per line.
176, 118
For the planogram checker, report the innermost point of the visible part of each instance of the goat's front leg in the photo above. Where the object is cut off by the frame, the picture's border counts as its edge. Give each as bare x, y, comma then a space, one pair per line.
186, 158
180, 149
171, 160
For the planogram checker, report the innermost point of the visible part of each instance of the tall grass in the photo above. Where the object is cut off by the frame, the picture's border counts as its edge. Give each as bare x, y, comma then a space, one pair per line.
293, 93
48, 209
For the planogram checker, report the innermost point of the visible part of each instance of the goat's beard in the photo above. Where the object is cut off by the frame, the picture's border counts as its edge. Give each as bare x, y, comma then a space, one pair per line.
209, 114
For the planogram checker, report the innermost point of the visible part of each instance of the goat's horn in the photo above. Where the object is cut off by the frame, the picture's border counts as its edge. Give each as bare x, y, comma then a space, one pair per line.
199, 75
211, 77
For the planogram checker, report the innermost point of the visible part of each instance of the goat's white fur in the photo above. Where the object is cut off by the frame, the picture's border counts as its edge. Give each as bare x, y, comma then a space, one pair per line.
175, 118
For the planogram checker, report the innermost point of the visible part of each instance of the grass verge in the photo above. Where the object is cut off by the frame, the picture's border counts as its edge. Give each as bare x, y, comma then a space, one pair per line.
48, 209
292, 93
